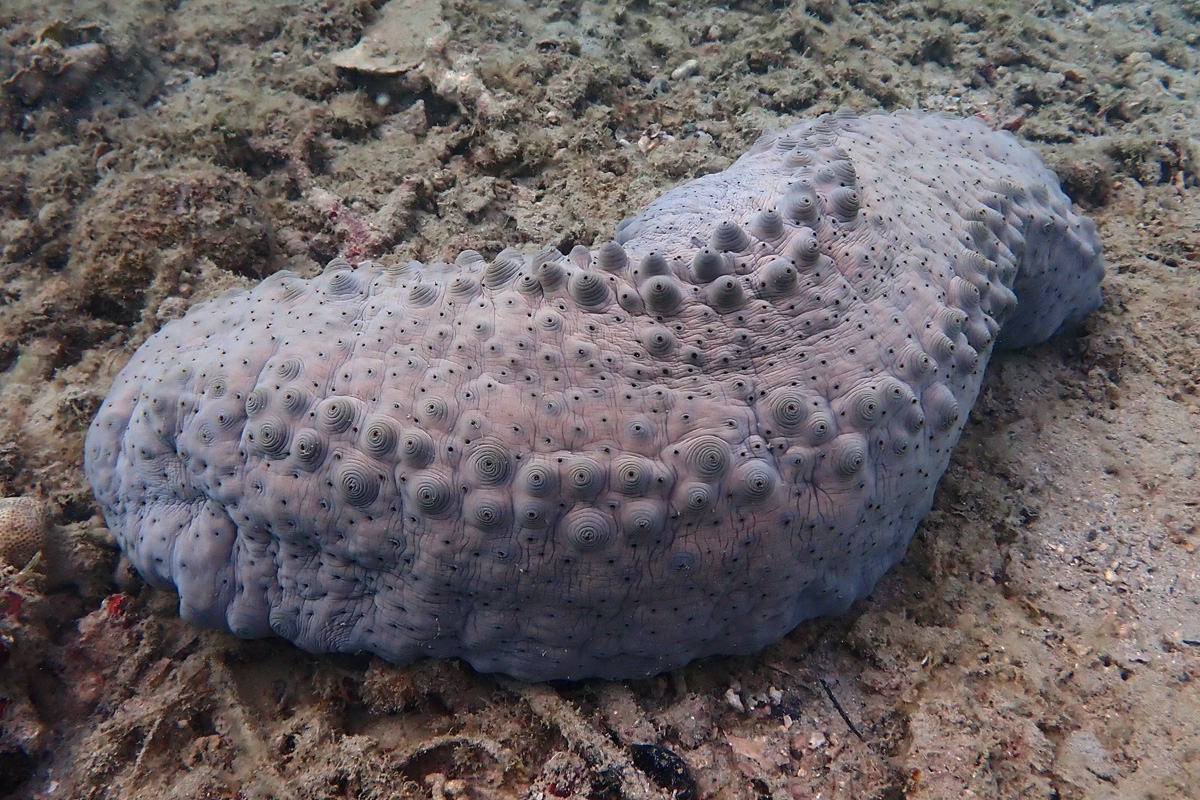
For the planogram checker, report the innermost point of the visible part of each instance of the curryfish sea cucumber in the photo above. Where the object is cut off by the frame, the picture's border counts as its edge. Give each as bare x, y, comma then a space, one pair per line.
685, 441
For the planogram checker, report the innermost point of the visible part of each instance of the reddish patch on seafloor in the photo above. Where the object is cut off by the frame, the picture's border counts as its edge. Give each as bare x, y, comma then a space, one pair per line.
115, 605
10, 604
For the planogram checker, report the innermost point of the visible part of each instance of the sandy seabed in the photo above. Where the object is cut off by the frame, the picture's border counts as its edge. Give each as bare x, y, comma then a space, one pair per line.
1041, 638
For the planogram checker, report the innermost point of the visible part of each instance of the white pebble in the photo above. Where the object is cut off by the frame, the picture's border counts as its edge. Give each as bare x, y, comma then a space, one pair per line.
685, 70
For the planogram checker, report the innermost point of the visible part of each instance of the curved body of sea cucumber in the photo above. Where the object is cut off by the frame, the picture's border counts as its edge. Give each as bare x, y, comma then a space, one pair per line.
609, 463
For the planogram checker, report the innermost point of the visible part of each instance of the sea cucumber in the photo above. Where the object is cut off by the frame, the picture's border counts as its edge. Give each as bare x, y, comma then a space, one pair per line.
683, 442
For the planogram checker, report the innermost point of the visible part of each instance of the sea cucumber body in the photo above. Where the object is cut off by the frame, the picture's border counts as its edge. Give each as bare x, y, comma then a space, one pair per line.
609, 463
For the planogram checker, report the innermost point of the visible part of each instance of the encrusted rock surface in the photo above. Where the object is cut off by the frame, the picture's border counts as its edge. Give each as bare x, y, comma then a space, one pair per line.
683, 442
23, 527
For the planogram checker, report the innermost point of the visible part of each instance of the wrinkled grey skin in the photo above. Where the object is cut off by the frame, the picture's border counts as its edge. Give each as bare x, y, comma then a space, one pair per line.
608, 463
